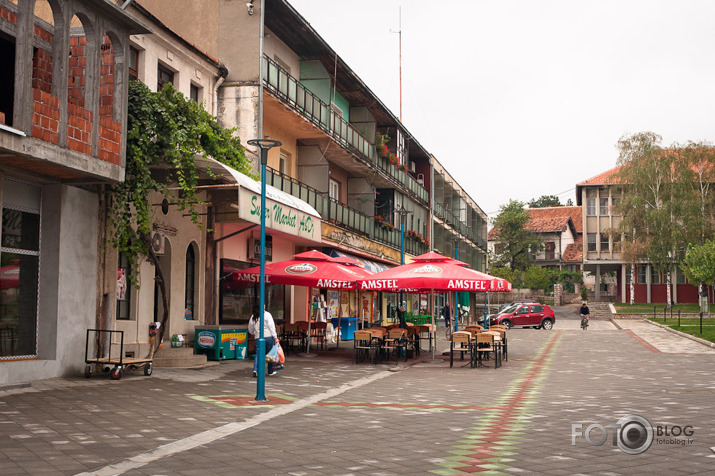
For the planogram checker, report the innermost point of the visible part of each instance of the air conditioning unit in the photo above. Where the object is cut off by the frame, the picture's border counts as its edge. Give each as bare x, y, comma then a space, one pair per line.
157, 242
420, 179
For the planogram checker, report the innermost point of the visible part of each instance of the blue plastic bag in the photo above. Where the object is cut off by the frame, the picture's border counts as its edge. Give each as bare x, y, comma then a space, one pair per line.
272, 355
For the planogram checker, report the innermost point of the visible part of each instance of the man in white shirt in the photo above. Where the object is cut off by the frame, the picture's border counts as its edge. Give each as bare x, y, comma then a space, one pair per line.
269, 333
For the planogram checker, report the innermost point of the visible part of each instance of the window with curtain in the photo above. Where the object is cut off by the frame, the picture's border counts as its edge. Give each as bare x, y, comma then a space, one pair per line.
591, 241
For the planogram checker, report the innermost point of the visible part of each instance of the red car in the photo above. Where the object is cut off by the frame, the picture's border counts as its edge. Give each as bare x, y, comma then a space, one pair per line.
526, 315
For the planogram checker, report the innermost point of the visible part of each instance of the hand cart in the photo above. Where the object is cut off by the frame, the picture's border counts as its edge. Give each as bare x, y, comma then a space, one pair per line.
93, 357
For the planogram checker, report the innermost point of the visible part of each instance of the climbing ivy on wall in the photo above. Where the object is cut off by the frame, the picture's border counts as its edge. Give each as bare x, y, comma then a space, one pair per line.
165, 132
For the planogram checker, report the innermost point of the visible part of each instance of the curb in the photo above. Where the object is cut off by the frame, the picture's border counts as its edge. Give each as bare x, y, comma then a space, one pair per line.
683, 334
618, 326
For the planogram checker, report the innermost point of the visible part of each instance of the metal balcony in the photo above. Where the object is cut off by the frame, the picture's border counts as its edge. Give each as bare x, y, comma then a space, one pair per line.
292, 92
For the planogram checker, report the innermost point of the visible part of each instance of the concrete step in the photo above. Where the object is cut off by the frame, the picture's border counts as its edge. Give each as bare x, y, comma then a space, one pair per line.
181, 357
600, 310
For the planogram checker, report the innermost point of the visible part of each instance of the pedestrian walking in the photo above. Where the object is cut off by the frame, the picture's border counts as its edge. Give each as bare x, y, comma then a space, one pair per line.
447, 314
269, 333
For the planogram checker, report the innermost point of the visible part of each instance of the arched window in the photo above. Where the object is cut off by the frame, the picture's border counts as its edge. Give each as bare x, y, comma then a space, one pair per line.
190, 280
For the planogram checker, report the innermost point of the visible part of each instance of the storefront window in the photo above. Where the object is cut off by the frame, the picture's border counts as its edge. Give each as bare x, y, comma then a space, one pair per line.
237, 298
19, 269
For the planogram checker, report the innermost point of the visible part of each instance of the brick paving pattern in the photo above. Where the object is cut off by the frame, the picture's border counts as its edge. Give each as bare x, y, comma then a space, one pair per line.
329, 416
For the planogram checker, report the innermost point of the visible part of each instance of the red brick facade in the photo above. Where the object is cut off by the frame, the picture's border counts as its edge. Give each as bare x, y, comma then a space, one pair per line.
45, 116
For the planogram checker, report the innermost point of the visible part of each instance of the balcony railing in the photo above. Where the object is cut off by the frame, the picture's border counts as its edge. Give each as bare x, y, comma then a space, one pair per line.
316, 110
289, 89
330, 210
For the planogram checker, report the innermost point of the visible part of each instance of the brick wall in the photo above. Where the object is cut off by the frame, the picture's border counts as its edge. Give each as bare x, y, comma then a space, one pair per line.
106, 79
76, 70
45, 116
79, 129
6, 14
110, 137
42, 70
46, 108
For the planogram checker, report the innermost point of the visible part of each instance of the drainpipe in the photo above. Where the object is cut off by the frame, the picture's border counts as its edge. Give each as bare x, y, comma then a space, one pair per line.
222, 73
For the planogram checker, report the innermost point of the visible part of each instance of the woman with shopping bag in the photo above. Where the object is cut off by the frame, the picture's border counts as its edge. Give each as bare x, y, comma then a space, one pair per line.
270, 335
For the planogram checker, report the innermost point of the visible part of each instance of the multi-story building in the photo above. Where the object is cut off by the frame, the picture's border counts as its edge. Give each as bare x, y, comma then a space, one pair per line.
342, 150
602, 255
63, 77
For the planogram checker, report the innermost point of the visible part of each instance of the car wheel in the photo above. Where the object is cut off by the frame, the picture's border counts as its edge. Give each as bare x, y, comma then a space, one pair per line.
507, 323
548, 324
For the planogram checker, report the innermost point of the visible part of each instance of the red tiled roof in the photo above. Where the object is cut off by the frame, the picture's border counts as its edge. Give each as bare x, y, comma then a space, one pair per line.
604, 178
547, 225
549, 220
575, 213
574, 251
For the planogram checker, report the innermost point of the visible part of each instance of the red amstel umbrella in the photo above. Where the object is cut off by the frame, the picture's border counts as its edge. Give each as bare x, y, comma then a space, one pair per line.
433, 272
312, 268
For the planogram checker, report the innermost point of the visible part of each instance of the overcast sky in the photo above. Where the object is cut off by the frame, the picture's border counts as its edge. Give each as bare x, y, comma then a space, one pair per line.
525, 98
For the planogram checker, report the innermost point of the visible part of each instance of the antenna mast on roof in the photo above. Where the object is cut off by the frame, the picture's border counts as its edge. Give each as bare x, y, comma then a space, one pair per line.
399, 33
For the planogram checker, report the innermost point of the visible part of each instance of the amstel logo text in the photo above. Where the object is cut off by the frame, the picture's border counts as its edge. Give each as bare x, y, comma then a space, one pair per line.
303, 268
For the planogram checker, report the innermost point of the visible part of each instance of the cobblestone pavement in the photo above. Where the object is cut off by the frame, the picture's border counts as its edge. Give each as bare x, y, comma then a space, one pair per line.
327, 416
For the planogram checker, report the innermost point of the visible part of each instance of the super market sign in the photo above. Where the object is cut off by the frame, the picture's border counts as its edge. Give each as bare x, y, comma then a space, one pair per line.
279, 216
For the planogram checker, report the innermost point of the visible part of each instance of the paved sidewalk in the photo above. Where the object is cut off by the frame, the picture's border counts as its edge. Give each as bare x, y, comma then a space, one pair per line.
662, 340
329, 416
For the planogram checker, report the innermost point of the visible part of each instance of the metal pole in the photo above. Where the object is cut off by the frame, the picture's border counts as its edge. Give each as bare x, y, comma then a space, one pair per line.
486, 322
402, 251
456, 294
263, 145
261, 343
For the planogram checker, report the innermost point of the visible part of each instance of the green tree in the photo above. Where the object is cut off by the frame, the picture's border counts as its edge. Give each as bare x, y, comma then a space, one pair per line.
536, 277
514, 276
698, 172
699, 263
545, 201
568, 278
651, 203
165, 132
516, 245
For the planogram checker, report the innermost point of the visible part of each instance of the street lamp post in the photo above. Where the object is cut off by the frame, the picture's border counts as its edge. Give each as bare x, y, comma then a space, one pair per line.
456, 294
402, 212
486, 322
263, 145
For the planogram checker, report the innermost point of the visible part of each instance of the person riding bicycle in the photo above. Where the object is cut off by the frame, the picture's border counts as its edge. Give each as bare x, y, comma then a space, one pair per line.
585, 315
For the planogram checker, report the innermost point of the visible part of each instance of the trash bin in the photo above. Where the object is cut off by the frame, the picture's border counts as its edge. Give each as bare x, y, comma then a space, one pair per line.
348, 326
221, 342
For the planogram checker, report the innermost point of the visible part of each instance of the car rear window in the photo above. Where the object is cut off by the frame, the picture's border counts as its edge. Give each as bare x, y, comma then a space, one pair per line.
537, 309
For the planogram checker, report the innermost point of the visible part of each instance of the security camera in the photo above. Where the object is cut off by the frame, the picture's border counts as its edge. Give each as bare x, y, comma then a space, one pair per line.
249, 6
